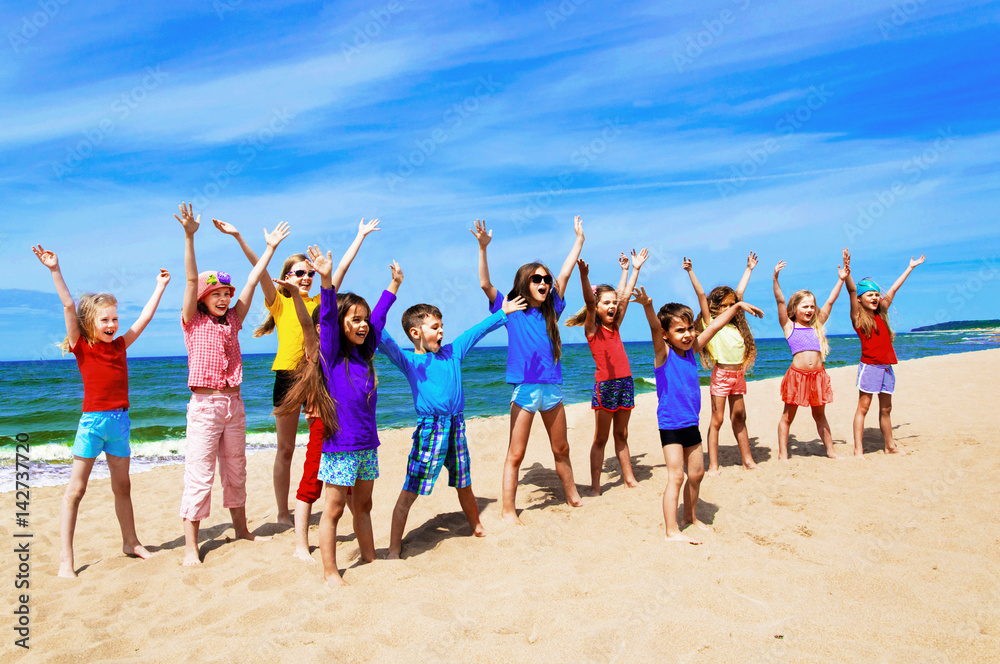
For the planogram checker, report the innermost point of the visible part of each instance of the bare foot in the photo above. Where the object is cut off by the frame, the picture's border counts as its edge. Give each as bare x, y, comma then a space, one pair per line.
478, 530
680, 537
750, 465
336, 581
139, 551
595, 491
713, 472
393, 555
832, 455
364, 561
285, 519
698, 524
894, 450
574, 500
191, 558
250, 537
302, 553
66, 570
860, 456
783, 458
510, 518
631, 483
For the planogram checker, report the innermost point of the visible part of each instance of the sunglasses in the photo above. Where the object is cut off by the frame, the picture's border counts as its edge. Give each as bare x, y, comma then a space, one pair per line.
302, 273
541, 279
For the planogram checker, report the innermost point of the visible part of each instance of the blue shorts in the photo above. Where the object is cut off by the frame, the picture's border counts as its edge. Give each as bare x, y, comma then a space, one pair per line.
346, 468
103, 431
876, 378
438, 442
534, 397
614, 394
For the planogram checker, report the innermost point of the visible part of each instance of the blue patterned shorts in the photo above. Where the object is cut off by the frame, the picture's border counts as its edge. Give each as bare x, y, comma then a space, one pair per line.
614, 394
438, 441
346, 468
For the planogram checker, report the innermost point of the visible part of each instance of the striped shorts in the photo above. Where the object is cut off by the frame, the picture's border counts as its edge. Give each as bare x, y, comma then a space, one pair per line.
438, 441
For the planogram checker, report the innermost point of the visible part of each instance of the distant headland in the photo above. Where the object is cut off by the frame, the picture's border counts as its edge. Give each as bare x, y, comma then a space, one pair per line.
960, 325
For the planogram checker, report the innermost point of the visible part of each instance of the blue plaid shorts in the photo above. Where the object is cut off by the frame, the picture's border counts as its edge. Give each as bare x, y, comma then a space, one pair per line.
438, 441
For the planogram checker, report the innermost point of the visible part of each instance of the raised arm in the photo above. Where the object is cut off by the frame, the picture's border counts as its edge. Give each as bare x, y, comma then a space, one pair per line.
322, 264
626, 295
484, 236
706, 315
309, 336
745, 279
51, 261
721, 321
623, 262
899, 282
656, 330
570, 262
140, 324
779, 299
590, 321
468, 339
265, 279
852, 291
843, 271
377, 321
364, 230
273, 239
190, 223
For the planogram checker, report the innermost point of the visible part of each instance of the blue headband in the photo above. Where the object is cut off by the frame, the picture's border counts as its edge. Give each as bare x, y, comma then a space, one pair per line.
866, 285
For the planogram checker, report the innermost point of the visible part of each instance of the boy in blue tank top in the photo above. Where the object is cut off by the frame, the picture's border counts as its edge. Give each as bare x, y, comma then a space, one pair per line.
676, 345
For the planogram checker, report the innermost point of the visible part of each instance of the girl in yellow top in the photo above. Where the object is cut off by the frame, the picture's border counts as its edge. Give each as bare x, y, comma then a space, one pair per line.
732, 352
296, 271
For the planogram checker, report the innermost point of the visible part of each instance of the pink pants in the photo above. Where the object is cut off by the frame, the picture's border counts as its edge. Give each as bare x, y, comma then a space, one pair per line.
216, 429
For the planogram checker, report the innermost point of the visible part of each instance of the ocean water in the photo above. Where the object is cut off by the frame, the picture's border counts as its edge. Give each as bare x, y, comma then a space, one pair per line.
42, 398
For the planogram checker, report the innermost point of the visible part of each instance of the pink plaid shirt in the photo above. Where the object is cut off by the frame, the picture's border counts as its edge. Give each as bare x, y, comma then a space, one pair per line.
214, 359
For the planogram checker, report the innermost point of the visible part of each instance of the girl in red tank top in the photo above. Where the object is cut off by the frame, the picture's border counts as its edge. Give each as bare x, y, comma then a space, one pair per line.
614, 391
870, 318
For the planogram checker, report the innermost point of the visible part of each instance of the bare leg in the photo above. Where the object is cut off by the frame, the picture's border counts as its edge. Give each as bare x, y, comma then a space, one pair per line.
738, 417
239, 517
602, 427
285, 426
673, 455
191, 555
67, 515
555, 425
885, 423
121, 486
363, 519
399, 514
467, 500
864, 402
333, 508
620, 432
823, 429
303, 513
695, 474
783, 425
714, 426
520, 429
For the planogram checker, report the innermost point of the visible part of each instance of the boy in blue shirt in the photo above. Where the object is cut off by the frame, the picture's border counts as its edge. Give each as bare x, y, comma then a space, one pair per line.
435, 376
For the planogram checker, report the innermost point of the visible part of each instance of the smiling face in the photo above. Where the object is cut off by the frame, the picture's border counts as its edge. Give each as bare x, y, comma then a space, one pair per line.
106, 324
303, 283
356, 324
805, 311
680, 334
870, 300
217, 302
607, 308
427, 338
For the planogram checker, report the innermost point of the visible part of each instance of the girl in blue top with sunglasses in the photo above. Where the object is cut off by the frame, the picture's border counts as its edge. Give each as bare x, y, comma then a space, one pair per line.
533, 352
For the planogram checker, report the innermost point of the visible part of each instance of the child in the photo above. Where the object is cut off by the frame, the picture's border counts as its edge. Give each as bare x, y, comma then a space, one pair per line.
435, 376
216, 422
730, 353
614, 392
533, 352
104, 425
806, 382
676, 345
282, 317
870, 318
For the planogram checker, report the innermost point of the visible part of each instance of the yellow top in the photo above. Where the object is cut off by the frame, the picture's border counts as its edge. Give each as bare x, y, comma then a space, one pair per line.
286, 323
727, 346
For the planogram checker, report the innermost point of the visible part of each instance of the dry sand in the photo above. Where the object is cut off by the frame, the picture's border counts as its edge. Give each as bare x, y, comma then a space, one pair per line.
890, 559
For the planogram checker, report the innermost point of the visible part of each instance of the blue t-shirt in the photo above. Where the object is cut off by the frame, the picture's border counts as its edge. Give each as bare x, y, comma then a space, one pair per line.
436, 378
677, 391
529, 351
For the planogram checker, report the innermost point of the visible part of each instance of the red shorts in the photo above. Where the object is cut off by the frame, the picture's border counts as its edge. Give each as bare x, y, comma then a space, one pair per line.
806, 388
726, 382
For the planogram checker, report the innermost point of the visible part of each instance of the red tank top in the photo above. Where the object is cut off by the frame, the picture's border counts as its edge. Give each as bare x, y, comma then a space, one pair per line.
877, 349
609, 355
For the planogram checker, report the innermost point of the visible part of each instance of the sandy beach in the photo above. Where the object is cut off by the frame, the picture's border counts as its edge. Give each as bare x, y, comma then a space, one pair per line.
887, 559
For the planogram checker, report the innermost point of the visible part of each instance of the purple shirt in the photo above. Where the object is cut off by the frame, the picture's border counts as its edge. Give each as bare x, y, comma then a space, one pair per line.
351, 383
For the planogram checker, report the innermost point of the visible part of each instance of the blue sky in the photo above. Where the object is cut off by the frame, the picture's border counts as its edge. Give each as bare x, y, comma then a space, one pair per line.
701, 129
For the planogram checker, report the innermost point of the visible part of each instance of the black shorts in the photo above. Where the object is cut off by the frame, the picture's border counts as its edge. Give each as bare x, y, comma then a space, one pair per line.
686, 437
283, 380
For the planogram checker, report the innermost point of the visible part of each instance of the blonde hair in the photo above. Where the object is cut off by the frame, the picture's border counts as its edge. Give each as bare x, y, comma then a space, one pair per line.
793, 305
866, 321
580, 317
715, 299
86, 316
267, 327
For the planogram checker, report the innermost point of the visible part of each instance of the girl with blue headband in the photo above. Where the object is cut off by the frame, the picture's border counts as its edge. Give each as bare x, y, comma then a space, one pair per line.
870, 318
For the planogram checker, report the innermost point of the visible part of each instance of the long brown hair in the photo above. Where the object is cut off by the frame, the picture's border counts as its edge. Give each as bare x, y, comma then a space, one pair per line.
580, 317
86, 316
267, 327
793, 305
522, 288
309, 388
715, 299
866, 321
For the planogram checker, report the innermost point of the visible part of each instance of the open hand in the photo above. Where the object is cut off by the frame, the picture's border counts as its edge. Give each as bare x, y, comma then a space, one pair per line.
228, 229
778, 268
47, 257
275, 237
639, 296
397, 273
187, 219
319, 262
584, 268
639, 258
578, 227
623, 260
517, 304
688, 266
364, 229
916, 261
481, 234
751, 261
750, 309
847, 258
163, 277
288, 286
843, 271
